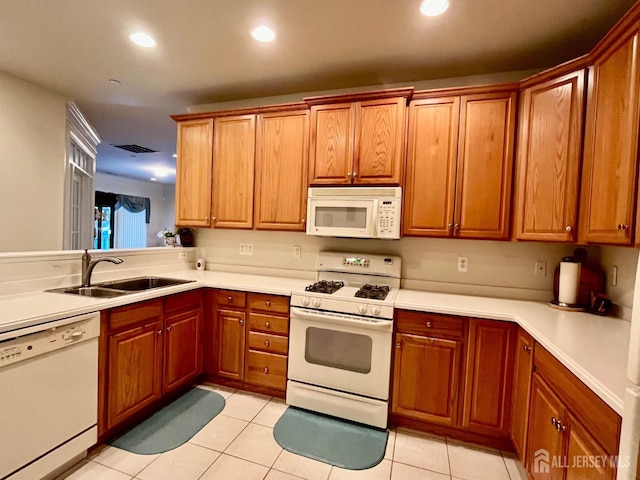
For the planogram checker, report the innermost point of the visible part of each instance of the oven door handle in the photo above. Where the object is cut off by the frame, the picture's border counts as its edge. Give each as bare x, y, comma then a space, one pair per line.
371, 325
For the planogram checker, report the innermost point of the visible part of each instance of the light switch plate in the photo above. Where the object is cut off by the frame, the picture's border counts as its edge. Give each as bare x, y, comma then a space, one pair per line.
246, 249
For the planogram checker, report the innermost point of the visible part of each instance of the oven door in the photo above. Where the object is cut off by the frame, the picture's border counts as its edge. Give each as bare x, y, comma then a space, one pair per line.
342, 352
342, 217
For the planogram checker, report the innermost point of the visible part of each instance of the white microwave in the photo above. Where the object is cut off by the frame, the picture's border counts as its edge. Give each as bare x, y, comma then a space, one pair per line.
358, 212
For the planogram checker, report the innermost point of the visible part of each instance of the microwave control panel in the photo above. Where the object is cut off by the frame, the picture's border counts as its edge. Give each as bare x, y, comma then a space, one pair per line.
389, 218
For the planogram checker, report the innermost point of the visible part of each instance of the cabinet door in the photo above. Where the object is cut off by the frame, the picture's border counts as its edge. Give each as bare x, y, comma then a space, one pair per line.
521, 387
611, 144
544, 443
380, 140
281, 170
485, 161
426, 379
332, 137
182, 348
193, 173
489, 377
234, 140
431, 167
231, 344
135, 371
586, 458
548, 163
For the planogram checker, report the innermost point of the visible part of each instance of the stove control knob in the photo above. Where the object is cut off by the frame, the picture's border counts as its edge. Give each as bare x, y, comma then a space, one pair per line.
375, 310
305, 301
362, 308
316, 302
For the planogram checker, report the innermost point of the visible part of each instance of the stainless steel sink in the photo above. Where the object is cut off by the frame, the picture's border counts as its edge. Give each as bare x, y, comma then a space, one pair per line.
121, 287
91, 291
143, 283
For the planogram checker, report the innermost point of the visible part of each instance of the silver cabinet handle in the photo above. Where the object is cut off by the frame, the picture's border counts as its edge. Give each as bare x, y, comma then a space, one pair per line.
266, 343
355, 174
214, 219
267, 303
230, 299
349, 174
428, 324
398, 345
568, 228
168, 329
266, 369
526, 348
159, 332
206, 219
622, 226
430, 340
267, 325
241, 322
554, 422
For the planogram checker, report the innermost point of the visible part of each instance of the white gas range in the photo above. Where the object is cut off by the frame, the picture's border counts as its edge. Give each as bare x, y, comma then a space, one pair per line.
341, 335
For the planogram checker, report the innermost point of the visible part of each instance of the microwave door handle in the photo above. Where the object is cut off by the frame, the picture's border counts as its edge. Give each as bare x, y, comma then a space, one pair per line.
373, 324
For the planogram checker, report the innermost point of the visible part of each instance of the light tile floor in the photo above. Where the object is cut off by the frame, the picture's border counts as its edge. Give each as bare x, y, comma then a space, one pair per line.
239, 444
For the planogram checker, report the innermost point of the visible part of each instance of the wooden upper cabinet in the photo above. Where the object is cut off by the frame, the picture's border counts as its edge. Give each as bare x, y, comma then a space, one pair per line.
381, 126
281, 170
193, 172
331, 151
431, 166
358, 142
234, 140
459, 165
485, 161
609, 180
548, 159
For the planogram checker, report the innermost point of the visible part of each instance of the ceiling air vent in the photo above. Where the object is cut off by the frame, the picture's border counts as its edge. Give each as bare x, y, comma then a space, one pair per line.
135, 148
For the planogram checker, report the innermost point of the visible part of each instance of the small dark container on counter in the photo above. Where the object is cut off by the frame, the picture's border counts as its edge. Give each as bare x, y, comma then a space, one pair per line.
186, 237
599, 303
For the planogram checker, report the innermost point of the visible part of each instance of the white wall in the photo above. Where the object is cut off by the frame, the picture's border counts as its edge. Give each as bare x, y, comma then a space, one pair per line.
32, 166
162, 198
495, 269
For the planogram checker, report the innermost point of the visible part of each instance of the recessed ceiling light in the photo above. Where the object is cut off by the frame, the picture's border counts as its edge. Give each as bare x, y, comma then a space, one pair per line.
160, 172
433, 8
142, 39
153, 179
263, 34
114, 81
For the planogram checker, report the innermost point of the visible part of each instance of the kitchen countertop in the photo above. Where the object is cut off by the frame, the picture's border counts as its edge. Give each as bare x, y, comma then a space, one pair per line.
593, 348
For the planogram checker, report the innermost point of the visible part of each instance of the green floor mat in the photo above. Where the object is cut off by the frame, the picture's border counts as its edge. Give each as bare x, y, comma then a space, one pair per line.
330, 440
172, 425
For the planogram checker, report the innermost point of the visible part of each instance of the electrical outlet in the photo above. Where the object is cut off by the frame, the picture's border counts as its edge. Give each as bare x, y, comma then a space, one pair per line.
541, 268
613, 275
462, 264
246, 249
297, 251
182, 255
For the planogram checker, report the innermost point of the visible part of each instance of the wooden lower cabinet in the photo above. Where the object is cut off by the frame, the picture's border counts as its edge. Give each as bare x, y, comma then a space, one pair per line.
426, 379
231, 343
251, 341
147, 349
571, 433
489, 376
522, 372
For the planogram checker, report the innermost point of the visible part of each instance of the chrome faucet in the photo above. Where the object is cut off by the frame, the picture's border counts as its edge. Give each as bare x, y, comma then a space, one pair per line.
88, 265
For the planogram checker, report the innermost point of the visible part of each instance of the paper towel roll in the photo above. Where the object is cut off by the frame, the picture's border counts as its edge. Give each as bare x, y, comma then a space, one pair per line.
200, 264
569, 282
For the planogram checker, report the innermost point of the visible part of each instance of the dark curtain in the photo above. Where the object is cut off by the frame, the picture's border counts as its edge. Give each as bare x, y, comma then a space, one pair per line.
134, 204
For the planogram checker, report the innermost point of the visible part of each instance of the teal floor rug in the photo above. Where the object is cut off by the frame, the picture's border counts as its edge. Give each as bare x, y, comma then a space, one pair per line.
330, 440
172, 425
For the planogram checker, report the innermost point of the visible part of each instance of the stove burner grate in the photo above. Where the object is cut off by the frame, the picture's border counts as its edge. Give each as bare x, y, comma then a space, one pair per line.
374, 292
325, 286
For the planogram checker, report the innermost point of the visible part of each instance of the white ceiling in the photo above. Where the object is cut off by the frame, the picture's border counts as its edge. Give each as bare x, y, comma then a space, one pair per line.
205, 53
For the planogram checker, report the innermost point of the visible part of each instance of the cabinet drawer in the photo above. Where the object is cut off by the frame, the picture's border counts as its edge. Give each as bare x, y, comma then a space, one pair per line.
231, 298
135, 314
429, 324
266, 369
268, 343
268, 324
268, 303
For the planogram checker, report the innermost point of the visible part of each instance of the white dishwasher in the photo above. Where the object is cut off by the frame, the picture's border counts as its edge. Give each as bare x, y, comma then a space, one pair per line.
48, 395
